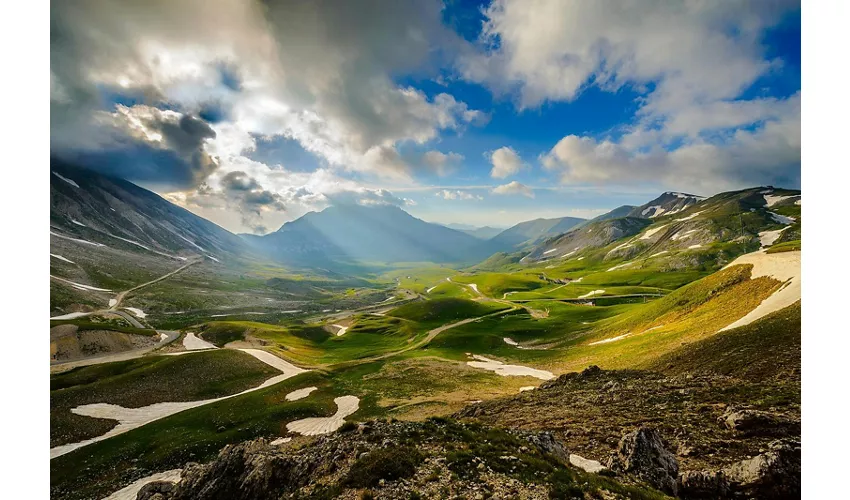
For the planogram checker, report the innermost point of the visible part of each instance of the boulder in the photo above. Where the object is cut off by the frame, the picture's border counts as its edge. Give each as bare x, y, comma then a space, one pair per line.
773, 474
641, 453
545, 442
156, 490
752, 422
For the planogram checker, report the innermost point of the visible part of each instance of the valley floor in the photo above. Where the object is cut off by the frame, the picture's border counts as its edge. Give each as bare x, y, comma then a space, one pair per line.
502, 350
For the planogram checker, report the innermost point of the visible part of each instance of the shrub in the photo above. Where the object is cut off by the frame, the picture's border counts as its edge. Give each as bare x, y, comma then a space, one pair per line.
388, 464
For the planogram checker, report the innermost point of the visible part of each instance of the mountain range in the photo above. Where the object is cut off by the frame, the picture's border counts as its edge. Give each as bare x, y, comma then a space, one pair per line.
113, 215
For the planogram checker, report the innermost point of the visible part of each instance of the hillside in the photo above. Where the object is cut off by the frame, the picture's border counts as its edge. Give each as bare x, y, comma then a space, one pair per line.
114, 213
529, 232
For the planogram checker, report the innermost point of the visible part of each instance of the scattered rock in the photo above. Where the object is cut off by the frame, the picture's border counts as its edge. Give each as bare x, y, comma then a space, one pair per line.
642, 454
702, 484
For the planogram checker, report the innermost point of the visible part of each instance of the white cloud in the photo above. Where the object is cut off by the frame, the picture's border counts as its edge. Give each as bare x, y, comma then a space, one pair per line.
690, 61
506, 162
514, 187
551, 49
457, 194
441, 163
320, 73
766, 154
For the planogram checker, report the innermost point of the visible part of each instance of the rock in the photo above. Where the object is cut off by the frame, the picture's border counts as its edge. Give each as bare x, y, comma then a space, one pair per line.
752, 422
642, 454
773, 474
586, 464
591, 371
156, 490
702, 484
545, 442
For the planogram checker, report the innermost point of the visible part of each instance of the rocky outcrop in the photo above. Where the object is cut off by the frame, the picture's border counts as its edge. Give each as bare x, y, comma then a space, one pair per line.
772, 474
438, 458
754, 422
545, 442
641, 453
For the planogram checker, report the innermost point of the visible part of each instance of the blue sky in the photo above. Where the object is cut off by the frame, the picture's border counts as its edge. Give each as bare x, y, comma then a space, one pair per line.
485, 113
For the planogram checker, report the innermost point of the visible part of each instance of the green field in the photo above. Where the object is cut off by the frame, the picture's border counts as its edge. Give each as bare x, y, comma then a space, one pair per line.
145, 381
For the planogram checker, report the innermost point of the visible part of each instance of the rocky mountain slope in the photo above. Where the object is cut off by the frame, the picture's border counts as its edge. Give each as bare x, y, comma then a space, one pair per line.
668, 203
110, 212
526, 233
593, 235
730, 223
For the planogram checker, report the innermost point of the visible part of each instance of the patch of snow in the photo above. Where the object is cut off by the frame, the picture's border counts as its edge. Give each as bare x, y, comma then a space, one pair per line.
80, 286
690, 216
71, 315
73, 221
137, 312
781, 219
429, 290
77, 240
527, 388
694, 246
653, 208
650, 232
474, 287
769, 200
346, 405
69, 181
187, 240
586, 465
580, 258
550, 251
132, 418
798, 202
163, 337
612, 339
300, 393
291, 311
784, 267
768, 238
508, 370
280, 441
341, 331
112, 302
61, 258
624, 245
211, 257
568, 254
131, 491
591, 294
512, 342
620, 266
679, 236
193, 343
658, 253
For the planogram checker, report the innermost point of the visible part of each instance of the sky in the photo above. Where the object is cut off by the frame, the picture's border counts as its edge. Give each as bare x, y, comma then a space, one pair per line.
252, 113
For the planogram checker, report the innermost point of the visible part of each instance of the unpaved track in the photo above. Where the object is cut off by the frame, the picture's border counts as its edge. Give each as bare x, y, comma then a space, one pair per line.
122, 295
